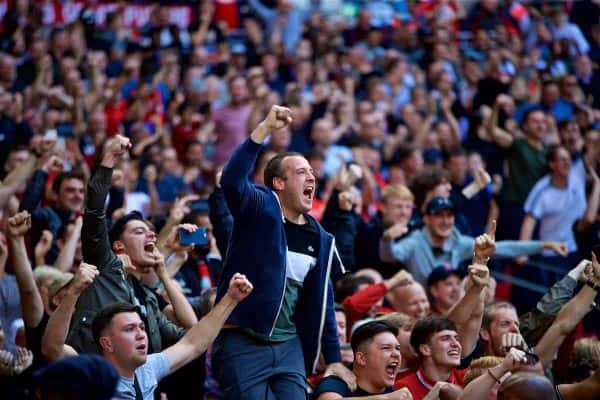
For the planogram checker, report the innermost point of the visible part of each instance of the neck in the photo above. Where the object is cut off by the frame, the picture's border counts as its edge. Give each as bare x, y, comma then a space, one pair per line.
434, 372
366, 384
534, 142
558, 181
442, 309
123, 371
292, 215
436, 241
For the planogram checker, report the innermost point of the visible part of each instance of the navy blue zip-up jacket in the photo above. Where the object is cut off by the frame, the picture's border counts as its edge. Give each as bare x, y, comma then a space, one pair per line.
258, 249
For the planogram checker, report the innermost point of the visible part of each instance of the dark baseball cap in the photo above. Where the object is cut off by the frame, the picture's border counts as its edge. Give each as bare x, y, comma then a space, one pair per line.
87, 373
441, 273
119, 225
438, 204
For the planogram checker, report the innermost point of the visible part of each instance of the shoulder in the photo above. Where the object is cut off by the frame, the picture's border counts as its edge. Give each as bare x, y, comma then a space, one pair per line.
540, 187
155, 367
332, 384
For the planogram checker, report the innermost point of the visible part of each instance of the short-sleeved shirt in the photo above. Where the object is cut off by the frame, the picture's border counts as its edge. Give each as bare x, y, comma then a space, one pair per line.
526, 166
419, 384
148, 375
333, 384
557, 210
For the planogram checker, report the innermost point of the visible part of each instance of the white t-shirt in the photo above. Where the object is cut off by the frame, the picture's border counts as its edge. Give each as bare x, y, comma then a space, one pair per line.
557, 210
148, 375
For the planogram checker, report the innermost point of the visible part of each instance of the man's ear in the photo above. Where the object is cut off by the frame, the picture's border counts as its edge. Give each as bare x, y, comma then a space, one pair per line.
425, 350
484, 334
360, 359
118, 247
105, 344
278, 183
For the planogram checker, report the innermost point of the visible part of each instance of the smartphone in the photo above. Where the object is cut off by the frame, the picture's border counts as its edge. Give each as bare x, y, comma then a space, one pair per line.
197, 238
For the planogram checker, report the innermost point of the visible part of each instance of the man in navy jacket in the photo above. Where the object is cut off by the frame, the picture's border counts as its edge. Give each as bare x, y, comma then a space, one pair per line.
277, 334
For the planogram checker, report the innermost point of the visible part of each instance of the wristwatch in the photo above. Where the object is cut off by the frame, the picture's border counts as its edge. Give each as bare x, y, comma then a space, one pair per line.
592, 284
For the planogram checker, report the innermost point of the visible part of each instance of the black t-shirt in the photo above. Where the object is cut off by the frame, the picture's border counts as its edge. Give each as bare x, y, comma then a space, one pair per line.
337, 385
303, 239
34, 340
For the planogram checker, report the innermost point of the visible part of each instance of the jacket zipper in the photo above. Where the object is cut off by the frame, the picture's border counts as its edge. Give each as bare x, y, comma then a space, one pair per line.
324, 307
281, 302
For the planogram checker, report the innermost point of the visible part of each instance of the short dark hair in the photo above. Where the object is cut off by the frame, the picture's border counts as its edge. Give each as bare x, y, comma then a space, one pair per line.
118, 226
348, 285
456, 151
63, 176
105, 317
425, 181
425, 328
274, 168
365, 333
529, 112
552, 151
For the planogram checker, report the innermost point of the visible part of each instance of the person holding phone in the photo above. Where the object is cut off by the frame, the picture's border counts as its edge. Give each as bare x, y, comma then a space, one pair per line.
276, 336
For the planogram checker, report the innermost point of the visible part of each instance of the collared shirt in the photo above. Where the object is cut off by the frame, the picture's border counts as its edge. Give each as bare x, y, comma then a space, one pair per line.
419, 384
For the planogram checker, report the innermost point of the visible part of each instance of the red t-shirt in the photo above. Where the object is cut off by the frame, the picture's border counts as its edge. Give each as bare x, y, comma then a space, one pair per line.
419, 384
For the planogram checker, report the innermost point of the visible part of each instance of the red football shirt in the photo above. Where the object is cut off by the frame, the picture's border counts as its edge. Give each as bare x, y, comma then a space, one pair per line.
419, 384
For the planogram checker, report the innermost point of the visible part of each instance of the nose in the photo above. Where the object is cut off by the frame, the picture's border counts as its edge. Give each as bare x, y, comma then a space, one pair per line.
151, 235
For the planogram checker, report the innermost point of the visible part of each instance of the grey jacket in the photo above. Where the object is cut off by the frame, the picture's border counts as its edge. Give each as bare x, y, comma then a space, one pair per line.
111, 285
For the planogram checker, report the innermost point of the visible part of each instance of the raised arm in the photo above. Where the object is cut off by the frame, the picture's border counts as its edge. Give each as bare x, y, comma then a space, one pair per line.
482, 386
591, 211
239, 192
184, 313
15, 179
198, 338
53, 341
32, 307
265, 13
570, 315
502, 138
65, 258
94, 236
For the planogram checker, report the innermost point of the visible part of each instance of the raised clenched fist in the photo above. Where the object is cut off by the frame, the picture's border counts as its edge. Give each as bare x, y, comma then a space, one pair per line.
278, 118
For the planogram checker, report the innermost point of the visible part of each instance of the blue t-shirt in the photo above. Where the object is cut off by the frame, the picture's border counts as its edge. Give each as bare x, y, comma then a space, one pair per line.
337, 385
148, 375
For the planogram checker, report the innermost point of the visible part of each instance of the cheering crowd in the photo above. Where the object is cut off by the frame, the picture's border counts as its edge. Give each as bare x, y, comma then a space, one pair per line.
384, 199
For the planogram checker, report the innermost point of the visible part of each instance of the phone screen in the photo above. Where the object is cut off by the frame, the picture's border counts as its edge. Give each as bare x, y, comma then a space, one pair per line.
197, 238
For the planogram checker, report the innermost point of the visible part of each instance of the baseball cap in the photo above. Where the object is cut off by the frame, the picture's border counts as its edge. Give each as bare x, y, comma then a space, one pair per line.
57, 278
119, 225
441, 273
87, 373
438, 204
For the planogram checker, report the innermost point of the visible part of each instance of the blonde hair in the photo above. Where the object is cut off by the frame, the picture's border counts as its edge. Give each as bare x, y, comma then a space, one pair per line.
479, 366
398, 320
586, 348
395, 190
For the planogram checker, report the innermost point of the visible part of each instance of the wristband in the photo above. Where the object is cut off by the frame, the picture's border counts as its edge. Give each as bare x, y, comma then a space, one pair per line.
492, 375
480, 260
